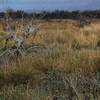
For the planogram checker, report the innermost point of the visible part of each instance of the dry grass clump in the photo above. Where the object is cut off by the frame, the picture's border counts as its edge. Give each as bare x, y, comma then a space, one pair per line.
87, 41
24, 70
89, 36
23, 93
85, 60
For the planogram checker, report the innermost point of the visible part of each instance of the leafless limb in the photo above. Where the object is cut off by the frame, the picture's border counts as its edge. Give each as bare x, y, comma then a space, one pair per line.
27, 30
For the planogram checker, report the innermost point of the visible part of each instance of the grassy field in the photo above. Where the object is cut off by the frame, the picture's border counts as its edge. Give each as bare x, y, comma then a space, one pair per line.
65, 66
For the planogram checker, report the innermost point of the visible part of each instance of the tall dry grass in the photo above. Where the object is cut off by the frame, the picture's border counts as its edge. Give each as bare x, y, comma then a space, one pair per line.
70, 52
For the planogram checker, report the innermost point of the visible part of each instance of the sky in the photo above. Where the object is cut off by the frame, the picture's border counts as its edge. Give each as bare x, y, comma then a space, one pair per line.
30, 5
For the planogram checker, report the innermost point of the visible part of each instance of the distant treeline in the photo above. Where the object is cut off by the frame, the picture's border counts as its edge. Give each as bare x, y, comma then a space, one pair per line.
52, 15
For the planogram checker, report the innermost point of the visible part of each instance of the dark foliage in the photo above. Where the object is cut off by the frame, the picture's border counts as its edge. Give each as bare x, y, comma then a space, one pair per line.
53, 15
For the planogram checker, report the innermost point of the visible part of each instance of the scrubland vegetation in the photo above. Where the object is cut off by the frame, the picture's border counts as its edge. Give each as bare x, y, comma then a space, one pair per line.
62, 62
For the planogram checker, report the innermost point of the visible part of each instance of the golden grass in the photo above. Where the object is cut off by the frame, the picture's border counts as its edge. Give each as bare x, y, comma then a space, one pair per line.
69, 49
64, 36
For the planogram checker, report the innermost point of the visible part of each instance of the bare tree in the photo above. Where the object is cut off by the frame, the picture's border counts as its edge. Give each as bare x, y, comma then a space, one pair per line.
18, 48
